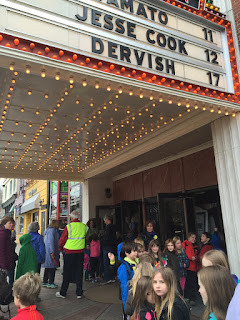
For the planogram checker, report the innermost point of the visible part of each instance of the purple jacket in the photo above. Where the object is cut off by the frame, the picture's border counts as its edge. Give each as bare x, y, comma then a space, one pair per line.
6, 251
233, 312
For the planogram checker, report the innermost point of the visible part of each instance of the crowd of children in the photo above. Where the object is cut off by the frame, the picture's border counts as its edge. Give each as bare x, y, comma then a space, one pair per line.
156, 283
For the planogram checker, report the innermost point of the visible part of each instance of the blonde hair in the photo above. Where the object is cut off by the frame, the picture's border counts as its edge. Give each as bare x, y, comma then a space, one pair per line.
143, 269
144, 285
27, 288
217, 257
219, 286
139, 240
170, 280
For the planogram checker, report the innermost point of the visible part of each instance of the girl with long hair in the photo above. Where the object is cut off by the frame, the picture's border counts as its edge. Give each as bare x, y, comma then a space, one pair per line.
216, 287
143, 300
143, 269
168, 304
155, 251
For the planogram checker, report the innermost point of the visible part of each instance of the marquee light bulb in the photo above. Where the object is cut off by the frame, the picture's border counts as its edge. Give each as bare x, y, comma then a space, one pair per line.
28, 69
43, 73
84, 83
11, 67
71, 80
57, 76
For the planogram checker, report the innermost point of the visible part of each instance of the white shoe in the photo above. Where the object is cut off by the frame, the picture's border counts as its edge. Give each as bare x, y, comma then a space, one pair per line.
58, 295
79, 297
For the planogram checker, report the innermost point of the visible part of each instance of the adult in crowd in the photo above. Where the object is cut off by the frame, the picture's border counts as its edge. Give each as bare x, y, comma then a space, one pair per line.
191, 285
206, 246
37, 243
52, 254
6, 249
148, 234
73, 242
108, 243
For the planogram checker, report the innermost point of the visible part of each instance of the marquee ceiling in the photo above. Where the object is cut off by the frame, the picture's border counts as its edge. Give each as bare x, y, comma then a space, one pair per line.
61, 124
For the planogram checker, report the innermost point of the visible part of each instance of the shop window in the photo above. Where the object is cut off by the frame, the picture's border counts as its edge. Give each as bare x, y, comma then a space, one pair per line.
35, 216
20, 226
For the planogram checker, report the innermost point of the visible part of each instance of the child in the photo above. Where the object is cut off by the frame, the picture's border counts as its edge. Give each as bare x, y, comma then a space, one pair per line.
143, 269
206, 246
27, 259
125, 271
143, 300
172, 260
140, 251
94, 256
26, 291
155, 252
191, 285
168, 304
183, 262
216, 287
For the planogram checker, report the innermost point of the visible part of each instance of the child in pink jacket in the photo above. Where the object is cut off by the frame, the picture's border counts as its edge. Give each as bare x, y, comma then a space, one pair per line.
94, 257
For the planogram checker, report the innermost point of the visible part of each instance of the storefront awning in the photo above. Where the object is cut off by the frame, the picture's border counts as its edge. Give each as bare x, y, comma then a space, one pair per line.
31, 203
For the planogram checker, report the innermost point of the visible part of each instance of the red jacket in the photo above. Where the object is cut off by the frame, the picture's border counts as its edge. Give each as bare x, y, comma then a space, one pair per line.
191, 251
206, 247
28, 313
63, 240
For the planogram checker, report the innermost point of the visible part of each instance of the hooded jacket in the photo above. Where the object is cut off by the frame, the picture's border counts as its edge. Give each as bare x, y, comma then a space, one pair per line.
6, 252
38, 245
109, 237
27, 259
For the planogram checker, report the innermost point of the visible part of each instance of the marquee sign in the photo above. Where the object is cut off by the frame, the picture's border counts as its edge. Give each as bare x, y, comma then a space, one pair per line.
192, 3
152, 38
155, 42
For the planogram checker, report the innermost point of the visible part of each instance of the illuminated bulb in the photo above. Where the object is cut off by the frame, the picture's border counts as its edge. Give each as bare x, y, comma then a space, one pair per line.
219, 111
30, 125
84, 83
77, 118
180, 115
141, 96
28, 69
188, 110
15, 73
13, 81
43, 74
151, 98
66, 93
110, 102
77, 101
196, 107
233, 114
55, 128
16, 123
29, 92
211, 110
187, 105
96, 85
204, 108
24, 135
161, 100
116, 96
146, 109
130, 93
170, 101
139, 113
179, 104
57, 76
12, 134
108, 88
11, 67
46, 96
22, 109
71, 80
11, 88
71, 86
120, 90
91, 104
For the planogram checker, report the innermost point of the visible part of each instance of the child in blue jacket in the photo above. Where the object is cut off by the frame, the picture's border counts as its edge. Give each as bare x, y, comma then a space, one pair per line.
126, 269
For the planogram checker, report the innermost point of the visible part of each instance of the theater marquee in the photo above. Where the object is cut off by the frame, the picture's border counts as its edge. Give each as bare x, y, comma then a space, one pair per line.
153, 38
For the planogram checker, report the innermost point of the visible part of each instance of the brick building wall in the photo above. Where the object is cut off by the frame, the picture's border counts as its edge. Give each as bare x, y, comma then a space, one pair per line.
236, 10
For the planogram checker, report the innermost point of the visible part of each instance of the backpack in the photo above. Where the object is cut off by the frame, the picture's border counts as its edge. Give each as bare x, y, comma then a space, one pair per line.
129, 276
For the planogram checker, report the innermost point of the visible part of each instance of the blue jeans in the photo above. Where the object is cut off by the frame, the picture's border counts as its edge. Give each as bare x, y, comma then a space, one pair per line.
108, 271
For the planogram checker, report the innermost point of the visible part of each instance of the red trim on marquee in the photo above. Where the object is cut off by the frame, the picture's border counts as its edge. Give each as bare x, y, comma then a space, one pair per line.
97, 64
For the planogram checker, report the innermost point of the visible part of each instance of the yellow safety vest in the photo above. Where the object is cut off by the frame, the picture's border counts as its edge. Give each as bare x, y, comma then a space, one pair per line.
76, 236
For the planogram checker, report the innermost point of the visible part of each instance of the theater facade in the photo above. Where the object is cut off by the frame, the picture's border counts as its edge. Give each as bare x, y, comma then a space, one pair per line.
137, 99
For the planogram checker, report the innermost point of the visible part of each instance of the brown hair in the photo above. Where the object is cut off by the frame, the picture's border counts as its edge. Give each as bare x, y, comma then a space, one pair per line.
166, 245
170, 280
6, 220
219, 286
217, 257
144, 285
54, 224
154, 243
148, 222
27, 288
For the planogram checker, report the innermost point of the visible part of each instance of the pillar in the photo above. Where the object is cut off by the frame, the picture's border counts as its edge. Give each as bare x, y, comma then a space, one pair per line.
85, 201
226, 142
